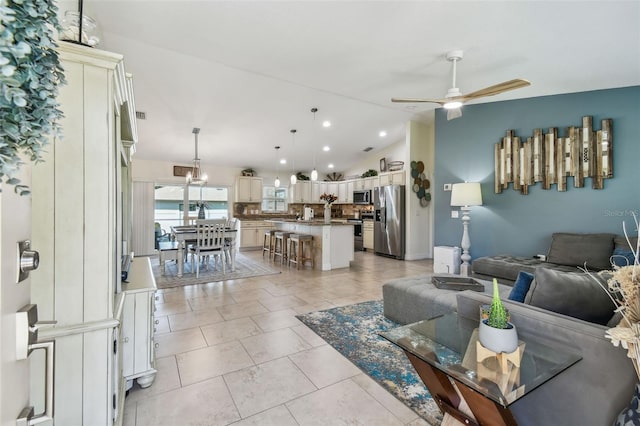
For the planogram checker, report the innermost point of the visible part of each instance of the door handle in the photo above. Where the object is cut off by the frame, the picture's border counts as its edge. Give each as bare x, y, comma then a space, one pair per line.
27, 416
27, 325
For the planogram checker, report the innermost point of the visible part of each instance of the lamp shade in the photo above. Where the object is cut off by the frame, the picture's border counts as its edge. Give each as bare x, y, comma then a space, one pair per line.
466, 194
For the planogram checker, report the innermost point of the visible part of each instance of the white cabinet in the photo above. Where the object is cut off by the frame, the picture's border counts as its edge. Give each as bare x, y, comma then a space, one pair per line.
367, 234
317, 189
252, 233
358, 184
248, 189
77, 222
350, 186
300, 192
342, 193
332, 188
371, 182
137, 345
392, 178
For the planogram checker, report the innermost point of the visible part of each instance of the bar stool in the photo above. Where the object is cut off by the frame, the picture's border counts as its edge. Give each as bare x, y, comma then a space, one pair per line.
269, 240
280, 245
297, 245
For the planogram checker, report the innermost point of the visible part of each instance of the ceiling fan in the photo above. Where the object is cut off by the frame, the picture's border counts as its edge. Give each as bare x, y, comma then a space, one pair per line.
454, 99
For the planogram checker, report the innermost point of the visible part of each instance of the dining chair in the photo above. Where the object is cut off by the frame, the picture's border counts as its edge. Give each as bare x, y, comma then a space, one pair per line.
232, 225
209, 242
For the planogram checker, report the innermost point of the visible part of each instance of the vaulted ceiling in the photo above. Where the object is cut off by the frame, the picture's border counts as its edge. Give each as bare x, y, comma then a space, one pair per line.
248, 72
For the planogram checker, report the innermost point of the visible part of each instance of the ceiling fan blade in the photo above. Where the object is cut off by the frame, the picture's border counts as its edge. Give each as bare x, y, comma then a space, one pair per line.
497, 89
454, 113
435, 101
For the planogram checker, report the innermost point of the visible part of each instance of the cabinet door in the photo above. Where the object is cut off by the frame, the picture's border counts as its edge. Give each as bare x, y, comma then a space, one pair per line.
371, 182
397, 178
127, 336
350, 186
317, 191
358, 184
256, 189
142, 355
367, 236
342, 193
243, 189
304, 191
385, 179
332, 188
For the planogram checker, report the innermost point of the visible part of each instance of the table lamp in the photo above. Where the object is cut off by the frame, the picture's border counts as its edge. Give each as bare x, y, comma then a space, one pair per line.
465, 195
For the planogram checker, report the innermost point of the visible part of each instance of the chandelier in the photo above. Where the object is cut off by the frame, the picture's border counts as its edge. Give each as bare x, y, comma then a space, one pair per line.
193, 176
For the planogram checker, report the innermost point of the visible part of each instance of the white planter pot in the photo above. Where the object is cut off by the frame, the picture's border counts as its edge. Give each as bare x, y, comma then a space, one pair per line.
496, 339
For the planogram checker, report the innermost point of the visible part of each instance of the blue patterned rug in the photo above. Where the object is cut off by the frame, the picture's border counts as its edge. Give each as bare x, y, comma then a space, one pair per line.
353, 331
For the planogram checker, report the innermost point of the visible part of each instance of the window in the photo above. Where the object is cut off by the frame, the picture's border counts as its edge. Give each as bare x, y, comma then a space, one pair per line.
274, 199
169, 204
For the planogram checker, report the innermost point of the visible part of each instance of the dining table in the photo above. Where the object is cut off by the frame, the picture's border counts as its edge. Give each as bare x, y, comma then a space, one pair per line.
185, 233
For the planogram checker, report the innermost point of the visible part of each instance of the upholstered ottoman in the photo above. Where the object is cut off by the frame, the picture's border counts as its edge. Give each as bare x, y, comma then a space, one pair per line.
412, 299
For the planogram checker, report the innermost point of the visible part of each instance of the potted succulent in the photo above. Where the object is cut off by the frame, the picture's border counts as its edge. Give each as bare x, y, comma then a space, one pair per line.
496, 333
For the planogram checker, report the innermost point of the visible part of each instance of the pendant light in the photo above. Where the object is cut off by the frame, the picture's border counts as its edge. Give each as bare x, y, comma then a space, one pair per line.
293, 178
276, 183
193, 176
314, 172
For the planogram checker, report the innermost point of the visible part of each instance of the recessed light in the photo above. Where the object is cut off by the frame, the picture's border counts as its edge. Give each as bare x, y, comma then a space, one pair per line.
283, 161
326, 123
382, 133
330, 166
326, 148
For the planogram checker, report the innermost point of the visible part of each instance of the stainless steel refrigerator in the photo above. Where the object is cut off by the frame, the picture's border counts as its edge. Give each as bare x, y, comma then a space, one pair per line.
388, 225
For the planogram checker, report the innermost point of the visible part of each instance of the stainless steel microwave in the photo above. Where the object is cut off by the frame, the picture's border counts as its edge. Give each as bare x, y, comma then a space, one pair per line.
362, 197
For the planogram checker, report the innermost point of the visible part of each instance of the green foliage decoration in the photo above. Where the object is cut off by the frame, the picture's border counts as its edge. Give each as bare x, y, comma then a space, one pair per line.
370, 173
30, 73
498, 317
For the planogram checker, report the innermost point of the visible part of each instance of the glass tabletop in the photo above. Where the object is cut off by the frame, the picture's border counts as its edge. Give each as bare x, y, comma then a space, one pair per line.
451, 345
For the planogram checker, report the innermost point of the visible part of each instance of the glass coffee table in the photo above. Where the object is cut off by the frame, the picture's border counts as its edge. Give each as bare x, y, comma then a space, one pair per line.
470, 384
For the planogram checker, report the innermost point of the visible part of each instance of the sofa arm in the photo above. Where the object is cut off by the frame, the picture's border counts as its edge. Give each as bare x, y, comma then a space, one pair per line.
591, 392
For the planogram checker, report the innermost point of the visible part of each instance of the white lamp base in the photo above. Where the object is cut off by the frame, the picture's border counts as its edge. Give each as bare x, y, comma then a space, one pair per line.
465, 268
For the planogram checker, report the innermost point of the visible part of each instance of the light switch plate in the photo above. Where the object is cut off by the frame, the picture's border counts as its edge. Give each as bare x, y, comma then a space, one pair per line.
455, 214
447, 187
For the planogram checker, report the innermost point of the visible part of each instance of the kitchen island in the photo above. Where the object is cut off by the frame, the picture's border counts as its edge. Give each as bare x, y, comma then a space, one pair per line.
333, 241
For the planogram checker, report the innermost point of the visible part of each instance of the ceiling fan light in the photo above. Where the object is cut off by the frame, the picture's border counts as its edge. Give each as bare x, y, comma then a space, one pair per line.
314, 175
293, 179
452, 105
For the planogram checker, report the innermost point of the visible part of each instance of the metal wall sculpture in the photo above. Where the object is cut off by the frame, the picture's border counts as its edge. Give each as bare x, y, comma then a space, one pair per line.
549, 159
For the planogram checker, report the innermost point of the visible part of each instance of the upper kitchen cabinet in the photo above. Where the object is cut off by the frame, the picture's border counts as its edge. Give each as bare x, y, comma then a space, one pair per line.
317, 189
301, 192
371, 182
248, 189
392, 178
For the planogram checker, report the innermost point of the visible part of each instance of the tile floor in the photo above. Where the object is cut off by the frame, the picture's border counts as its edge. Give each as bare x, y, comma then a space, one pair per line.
233, 353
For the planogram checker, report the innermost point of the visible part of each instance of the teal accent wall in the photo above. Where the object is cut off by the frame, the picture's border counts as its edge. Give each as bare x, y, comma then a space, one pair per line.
511, 223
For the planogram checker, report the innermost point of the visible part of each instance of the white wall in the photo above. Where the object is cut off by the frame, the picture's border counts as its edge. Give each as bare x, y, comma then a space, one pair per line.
162, 172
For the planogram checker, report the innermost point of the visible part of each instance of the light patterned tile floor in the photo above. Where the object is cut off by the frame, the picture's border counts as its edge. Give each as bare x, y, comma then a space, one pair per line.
233, 352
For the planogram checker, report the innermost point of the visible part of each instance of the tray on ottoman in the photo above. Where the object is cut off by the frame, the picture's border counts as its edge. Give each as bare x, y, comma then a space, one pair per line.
445, 282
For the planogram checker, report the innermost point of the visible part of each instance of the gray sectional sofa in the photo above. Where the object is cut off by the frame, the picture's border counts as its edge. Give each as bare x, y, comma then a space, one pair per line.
567, 252
593, 391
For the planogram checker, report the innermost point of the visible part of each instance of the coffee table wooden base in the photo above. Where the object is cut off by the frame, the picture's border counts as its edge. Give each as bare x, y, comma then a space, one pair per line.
454, 399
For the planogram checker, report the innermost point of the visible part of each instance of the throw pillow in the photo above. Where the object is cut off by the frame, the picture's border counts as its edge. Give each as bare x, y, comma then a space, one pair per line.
571, 293
622, 257
578, 249
521, 286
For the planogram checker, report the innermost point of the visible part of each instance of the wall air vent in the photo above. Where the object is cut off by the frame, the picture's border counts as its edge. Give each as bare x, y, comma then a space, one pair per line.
141, 115
367, 149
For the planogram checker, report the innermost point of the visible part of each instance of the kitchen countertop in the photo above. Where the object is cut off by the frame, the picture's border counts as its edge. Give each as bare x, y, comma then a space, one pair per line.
315, 222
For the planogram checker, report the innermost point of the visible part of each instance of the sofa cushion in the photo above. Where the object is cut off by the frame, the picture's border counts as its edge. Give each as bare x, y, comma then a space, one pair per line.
578, 249
571, 293
521, 286
506, 267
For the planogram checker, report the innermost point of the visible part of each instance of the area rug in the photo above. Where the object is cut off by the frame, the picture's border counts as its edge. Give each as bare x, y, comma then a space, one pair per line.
245, 268
353, 331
